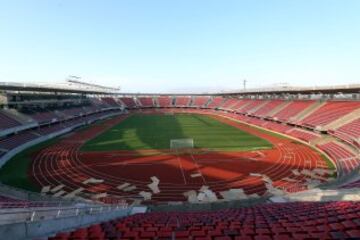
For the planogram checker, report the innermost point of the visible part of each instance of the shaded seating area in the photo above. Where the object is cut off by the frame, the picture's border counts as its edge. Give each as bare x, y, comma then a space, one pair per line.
297, 220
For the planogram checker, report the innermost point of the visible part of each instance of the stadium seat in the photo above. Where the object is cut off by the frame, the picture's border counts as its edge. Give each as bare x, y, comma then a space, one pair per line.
267, 221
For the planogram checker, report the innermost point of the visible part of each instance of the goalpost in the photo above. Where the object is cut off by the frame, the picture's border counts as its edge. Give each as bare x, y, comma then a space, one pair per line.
183, 143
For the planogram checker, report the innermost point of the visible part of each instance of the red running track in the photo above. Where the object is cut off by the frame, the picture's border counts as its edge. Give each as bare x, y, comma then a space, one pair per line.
63, 163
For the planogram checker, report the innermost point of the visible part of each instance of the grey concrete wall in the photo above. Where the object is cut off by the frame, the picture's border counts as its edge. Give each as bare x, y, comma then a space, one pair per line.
188, 207
38, 229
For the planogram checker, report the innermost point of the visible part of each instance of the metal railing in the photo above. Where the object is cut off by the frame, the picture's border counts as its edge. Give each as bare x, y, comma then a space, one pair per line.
30, 214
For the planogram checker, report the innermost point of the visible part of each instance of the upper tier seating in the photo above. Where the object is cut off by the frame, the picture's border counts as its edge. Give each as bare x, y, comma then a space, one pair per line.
128, 101
111, 102
182, 101
200, 101
349, 132
292, 109
7, 122
345, 159
250, 106
146, 101
329, 112
98, 103
229, 102
215, 102
298, 220
264, 110
165, 101
240, 104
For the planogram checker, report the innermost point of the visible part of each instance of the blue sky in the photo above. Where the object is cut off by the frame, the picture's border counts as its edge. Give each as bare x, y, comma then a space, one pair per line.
159, 46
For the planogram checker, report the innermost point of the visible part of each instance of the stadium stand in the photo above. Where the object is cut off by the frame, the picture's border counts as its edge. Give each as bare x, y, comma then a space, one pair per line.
45, 130
228, 103
11, 202
182, 101
216, 102
200, 101
266, 108
16, 140
353, 184
165, 101
72, 112
111, 102
292, 220
349, 132
97, 103
7, 122
146, 101
128, 102
278, 127
291, 110
345, 159
307, 220
303, 134
251, 106
240, 104
331, 111
44, 117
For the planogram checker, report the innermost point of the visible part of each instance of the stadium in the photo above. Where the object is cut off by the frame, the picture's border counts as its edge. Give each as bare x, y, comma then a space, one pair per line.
179, 120
187, 162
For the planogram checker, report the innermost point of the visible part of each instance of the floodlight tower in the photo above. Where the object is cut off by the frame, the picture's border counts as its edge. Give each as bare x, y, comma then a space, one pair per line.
244, 82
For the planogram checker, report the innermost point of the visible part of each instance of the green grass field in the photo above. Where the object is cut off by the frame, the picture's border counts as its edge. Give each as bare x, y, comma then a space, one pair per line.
155, 132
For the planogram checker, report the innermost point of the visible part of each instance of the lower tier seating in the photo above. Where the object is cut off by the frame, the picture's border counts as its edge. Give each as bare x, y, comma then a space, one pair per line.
16, 140
331, 111
355, 184
299, 220
304, 135
345, 159
349, 132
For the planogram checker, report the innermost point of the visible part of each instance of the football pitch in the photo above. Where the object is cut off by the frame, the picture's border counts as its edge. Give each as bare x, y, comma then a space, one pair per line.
144, 131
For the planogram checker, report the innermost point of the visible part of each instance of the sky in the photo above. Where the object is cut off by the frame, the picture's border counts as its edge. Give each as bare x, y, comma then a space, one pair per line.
181, 45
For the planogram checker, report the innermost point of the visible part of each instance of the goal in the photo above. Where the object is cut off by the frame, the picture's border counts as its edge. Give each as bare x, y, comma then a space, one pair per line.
181, 143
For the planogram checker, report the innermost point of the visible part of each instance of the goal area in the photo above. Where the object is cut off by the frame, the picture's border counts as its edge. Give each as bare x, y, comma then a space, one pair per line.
183, 143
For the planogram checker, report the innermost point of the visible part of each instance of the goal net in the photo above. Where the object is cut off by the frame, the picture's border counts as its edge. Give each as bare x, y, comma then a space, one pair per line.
181, 143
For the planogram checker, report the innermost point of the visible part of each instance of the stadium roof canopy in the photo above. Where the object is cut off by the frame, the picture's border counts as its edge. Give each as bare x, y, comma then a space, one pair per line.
68, 87
351, 88
81, 88
348, 89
